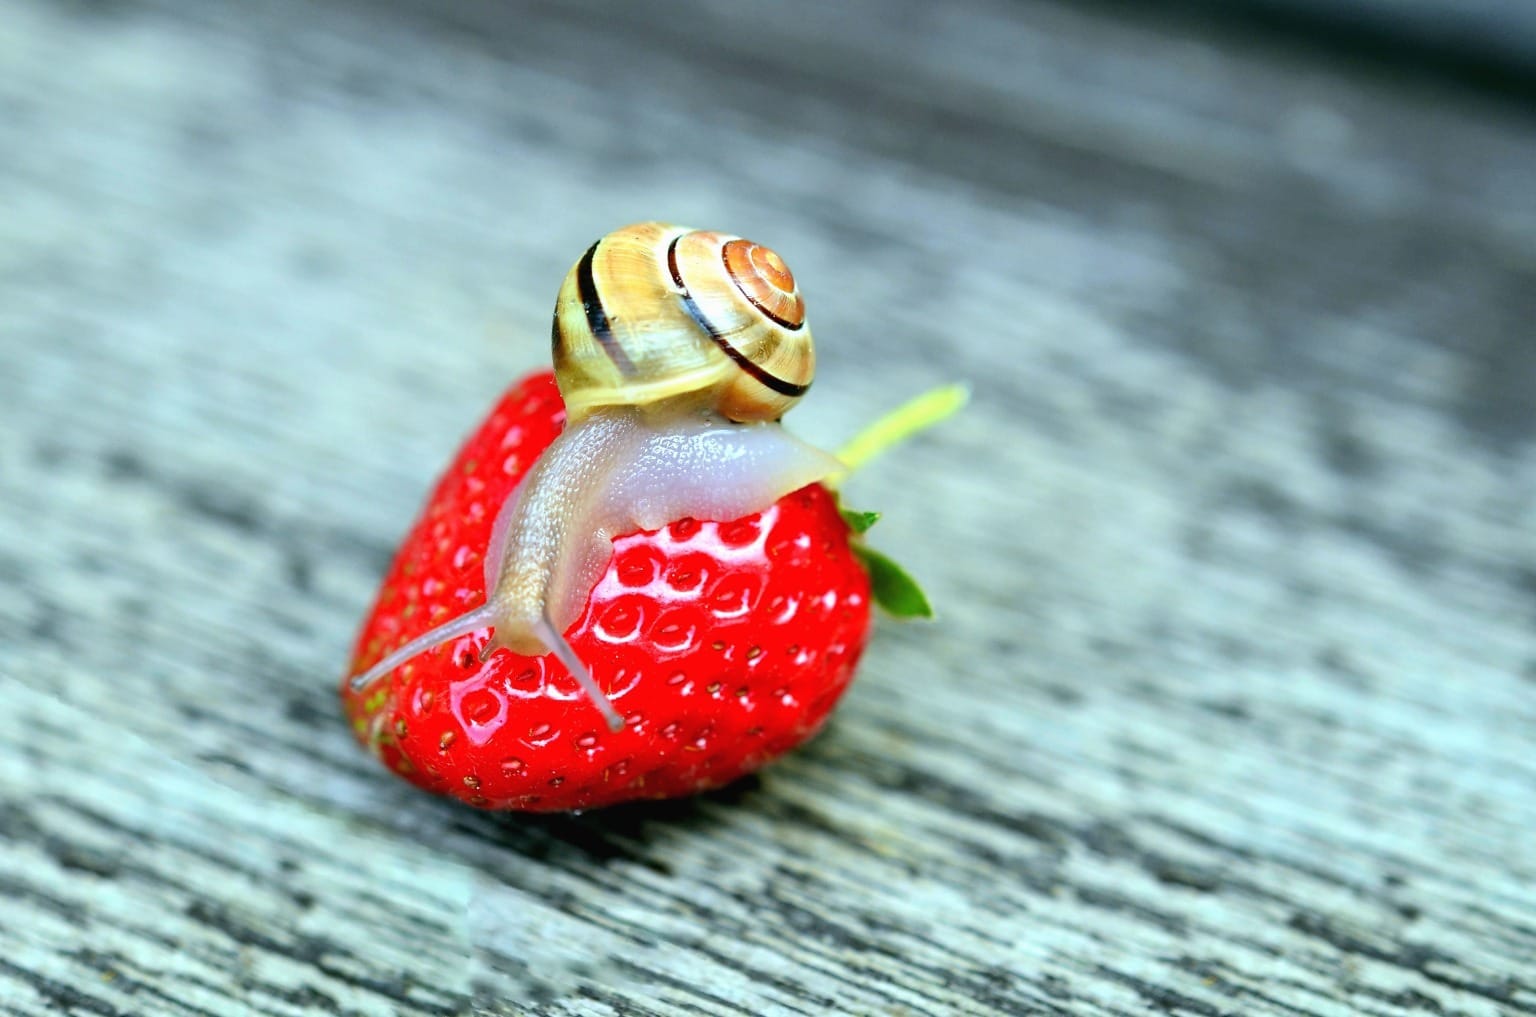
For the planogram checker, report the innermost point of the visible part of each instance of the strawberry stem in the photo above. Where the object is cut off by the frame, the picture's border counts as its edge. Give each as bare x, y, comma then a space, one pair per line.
893, 589
897, 426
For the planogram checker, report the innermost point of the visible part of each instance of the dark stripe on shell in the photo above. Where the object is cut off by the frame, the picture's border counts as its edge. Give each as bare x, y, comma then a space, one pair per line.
768, 381
560, 353
597, 317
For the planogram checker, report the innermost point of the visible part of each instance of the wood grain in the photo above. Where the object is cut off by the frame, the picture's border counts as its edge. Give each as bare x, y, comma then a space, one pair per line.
1232, 705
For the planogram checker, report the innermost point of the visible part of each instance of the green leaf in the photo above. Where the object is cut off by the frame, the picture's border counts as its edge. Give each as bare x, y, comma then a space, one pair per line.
859, 522
895, 591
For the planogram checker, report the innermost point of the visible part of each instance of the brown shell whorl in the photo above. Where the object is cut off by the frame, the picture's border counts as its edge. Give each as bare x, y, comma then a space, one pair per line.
655, 314
764, 279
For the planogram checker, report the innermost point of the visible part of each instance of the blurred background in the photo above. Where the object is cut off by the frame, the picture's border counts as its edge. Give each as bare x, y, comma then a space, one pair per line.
1229, 708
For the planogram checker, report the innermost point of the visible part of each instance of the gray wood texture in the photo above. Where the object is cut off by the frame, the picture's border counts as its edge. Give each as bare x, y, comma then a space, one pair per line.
1232, 705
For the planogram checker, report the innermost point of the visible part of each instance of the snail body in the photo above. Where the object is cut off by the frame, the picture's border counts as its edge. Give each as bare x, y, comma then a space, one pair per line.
676, 351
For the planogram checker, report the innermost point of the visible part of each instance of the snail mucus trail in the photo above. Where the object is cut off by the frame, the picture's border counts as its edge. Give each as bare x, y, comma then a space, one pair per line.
676, 352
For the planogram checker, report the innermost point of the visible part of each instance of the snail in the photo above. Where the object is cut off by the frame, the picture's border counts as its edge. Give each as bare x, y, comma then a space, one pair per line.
676, 351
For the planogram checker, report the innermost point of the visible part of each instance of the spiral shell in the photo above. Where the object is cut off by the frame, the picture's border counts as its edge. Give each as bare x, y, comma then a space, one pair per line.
655, 314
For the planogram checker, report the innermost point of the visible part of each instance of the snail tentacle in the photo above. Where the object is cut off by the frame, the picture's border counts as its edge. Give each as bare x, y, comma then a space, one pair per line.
481, 617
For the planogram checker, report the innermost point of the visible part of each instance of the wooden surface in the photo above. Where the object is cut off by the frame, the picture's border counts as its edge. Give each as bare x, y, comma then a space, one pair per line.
1232, 707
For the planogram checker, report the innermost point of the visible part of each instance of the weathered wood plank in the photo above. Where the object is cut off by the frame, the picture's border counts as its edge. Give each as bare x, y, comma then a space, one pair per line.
1230, 708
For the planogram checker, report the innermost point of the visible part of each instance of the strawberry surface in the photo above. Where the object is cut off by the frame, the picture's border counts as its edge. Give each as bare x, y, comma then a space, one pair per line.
722, 643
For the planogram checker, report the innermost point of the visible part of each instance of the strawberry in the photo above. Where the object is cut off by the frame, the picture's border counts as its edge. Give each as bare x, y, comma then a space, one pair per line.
722, 644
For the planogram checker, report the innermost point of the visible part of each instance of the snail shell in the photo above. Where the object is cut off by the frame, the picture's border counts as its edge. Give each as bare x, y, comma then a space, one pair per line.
655, 313
676, 352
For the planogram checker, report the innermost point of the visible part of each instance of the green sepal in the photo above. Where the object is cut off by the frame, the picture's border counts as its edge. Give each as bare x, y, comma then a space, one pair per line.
894, 590
859, 522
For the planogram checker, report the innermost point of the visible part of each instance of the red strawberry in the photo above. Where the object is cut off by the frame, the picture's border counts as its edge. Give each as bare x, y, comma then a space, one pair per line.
723, 644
